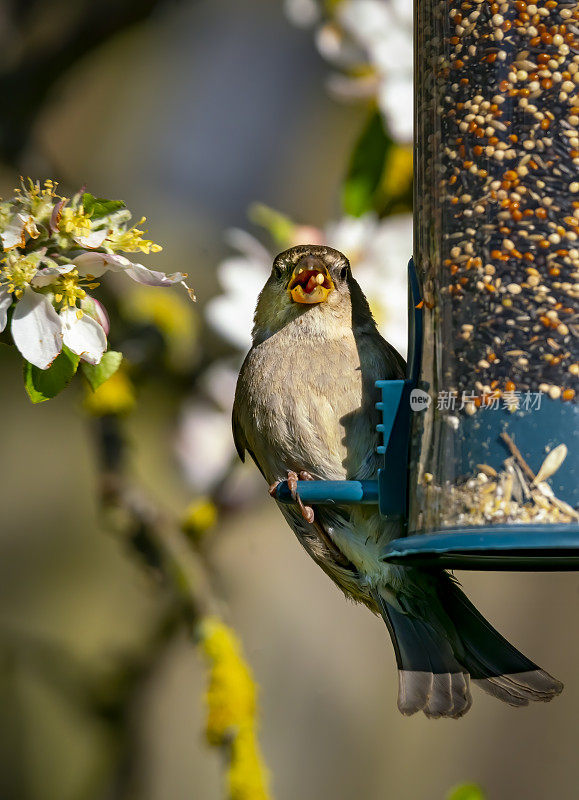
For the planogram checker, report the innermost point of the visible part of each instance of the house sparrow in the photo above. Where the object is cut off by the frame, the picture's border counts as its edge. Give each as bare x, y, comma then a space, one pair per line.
305, 407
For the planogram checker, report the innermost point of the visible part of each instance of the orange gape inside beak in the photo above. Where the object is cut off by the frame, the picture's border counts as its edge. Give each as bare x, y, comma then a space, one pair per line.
310, 284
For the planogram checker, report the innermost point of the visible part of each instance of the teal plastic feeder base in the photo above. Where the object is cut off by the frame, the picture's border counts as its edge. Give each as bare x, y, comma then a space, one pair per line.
510, 547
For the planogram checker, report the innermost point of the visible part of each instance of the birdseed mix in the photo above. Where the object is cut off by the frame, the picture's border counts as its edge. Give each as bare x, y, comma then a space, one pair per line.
496, 245
498, 193
513, 494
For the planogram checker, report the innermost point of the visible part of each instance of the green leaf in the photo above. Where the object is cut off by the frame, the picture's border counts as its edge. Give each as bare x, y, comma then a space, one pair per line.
97, 374
280, 227
366, 168
98, 207
467, 791
43, 384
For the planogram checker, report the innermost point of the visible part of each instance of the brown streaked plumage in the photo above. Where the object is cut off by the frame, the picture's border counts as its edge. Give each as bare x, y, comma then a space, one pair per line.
305, 400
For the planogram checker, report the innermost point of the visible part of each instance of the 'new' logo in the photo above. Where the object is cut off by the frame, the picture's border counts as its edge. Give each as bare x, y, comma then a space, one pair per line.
419, 400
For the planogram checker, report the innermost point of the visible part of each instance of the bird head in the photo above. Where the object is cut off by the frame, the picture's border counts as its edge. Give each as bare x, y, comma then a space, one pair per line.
310, 282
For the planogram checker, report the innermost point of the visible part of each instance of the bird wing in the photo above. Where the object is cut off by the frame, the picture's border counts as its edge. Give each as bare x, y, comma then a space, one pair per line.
238, 435
395, 365
384, 363
240, 441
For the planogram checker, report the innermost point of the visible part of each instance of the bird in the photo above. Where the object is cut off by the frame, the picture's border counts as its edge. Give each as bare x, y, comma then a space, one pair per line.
305, 409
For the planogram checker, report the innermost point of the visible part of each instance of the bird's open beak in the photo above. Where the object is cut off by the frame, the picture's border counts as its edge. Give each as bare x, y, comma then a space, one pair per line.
310, 284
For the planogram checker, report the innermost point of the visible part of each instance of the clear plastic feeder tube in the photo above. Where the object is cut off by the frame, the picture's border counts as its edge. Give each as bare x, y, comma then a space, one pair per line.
497, 254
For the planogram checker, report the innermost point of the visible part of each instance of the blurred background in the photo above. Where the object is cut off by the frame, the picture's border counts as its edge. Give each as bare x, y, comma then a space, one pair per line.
193, 112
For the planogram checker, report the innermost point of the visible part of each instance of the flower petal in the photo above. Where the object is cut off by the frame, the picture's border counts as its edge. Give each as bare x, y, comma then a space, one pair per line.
83, 336
150, 277
93, 239
302, 13
402, 10
5, 303
249, 246
14, 234
243, 276
367, 20
46, 275
56, 214
96, 264
95, 309
395, 100
203, 429
341, 50
232, 319
351, 235
36, 329
344, 87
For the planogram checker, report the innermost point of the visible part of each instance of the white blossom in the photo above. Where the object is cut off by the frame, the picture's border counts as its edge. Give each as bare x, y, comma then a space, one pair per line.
5, 303
204, 445
379, 251
370, 41
36, 329
242, 277
94, 264
54, 250
83, 335
205, 428
302, 13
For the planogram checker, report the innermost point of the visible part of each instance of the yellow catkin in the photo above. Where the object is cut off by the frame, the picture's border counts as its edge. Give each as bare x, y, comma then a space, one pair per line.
231, 712
200, 516
115, 396
172, 316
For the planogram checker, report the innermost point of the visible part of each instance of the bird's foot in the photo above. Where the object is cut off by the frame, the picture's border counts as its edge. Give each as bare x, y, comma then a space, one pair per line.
308, 515
292, 482
337, 554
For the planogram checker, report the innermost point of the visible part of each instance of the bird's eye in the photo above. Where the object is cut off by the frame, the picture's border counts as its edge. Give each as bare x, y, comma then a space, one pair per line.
278, 271
344, 273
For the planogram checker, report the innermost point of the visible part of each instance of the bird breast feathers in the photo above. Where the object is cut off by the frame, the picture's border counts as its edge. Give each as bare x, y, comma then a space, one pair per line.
301, 407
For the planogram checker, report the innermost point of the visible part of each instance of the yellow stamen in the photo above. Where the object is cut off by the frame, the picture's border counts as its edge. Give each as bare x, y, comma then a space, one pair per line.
132, 240
18, 270
74, 221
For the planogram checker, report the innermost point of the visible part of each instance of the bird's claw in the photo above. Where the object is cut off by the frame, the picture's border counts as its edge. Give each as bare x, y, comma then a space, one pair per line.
292, 482
305, 476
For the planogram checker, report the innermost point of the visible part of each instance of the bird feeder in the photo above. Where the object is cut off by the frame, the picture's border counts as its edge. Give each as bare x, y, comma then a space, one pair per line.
481, 441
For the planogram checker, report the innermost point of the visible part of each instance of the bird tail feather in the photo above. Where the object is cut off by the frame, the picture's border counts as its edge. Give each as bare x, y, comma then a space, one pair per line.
430, 678
494, 664
444, 645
